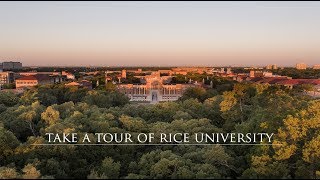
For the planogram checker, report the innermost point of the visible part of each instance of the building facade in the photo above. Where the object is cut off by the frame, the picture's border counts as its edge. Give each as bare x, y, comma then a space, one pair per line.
154, 89
301, 66
11, 65
55, 77
6, 78
32, 80
123, 73
68, 75
317, 66
271, 66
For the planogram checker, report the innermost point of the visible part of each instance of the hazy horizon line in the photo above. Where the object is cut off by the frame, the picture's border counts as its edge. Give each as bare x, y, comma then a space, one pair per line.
159, 65
169, 66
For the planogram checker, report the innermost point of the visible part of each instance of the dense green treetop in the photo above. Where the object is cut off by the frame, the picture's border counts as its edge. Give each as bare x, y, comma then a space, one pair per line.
238, 107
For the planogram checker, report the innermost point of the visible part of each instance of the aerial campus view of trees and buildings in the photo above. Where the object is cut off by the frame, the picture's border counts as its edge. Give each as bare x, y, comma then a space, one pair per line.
193, 99
159, 90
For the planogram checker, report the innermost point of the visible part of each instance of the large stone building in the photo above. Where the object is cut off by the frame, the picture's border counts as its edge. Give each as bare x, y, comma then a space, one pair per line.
317, 66
301, 66
256, 73
32, 80
272, 66
11, 65
55, 77
6, 78
185, 70
154, 88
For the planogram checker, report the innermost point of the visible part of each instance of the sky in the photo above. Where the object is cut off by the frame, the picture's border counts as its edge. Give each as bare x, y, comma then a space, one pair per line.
163, 33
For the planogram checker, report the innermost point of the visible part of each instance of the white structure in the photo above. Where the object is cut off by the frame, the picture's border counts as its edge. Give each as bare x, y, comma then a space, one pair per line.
317, 66
267, 74
301, 66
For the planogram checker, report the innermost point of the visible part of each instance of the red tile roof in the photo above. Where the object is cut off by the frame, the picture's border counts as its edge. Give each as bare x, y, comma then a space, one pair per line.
272, 80
72, 84
284, 81
299, 81
256, 79
26, 78
38, 77
288, 82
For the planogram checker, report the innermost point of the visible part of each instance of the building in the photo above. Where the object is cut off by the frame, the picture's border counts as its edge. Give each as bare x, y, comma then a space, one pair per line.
272, 66
68, 75
55, 77
186, 70
42, 73
165, 72
229, 71
268, 80
83, 83
154, 88
124, 74
290, 83
256, 74
317, 66
240, 77
11, 65
301, 66
269, 66
286, 81
32, 80
6, 78
267, 74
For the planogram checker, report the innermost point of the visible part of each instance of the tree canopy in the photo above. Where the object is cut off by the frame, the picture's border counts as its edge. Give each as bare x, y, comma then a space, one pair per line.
241, 107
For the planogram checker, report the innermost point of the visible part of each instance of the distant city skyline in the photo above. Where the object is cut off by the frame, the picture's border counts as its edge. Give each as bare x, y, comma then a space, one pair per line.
160, 33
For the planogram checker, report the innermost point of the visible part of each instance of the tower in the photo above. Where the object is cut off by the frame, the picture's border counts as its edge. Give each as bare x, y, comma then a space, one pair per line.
124, 74
252, 73
229, 71
274, 66
106, 76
